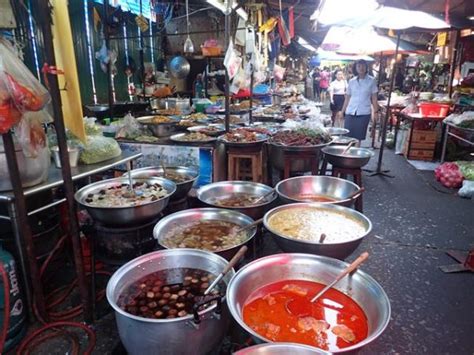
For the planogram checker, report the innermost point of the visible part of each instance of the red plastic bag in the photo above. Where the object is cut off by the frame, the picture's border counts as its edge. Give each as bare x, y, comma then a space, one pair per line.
449, 175
18, 84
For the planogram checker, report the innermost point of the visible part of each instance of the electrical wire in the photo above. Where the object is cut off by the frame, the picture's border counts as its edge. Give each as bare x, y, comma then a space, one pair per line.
59, 319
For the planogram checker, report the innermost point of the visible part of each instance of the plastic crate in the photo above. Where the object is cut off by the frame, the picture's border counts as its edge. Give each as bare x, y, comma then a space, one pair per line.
432, 109
211, 51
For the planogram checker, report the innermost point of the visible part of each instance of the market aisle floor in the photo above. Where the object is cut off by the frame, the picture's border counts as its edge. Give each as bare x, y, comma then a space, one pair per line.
414, 225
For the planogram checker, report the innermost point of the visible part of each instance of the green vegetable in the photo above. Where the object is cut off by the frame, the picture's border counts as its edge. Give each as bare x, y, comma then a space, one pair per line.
467, 169
98, 149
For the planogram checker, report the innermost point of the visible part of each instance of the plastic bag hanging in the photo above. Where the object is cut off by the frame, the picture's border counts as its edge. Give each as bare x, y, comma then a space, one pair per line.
232, 60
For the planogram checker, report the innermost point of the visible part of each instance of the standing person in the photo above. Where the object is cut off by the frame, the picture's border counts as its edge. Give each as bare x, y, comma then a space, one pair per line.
316, 79
324, 83
337, 92
361, 93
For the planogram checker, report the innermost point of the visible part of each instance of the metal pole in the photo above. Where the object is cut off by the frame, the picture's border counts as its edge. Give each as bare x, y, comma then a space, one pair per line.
227, 81
452, 62
142, 56
109, 66
22, 230
251, 94
385, 121
45, 21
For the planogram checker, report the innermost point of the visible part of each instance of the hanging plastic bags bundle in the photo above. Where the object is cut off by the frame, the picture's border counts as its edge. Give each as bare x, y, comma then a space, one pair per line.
20, 91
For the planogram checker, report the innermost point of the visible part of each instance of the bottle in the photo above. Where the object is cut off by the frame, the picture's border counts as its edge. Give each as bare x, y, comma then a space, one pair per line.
198, 87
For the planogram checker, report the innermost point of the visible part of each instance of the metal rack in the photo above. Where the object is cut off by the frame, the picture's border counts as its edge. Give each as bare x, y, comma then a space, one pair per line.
448, 133
18, 213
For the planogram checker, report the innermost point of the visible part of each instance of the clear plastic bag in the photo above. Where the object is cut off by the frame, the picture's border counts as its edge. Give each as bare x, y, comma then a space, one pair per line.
130, 128
24, 90
31, 135
98, 149
467, 189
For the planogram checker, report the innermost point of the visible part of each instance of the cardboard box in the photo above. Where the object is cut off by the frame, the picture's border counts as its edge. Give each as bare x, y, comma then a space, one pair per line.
419, 154
422, 136
423, 146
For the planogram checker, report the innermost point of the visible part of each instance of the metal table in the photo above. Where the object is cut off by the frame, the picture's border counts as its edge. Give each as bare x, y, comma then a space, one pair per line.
55, 179
447, 133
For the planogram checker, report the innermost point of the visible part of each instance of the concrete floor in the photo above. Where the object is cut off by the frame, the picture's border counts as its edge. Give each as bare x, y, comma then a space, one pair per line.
414, 225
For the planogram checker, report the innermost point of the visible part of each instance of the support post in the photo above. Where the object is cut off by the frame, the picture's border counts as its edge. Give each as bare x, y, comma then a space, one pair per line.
109, 66
379, 170
45, 21
452, 62
227, 80
24, 228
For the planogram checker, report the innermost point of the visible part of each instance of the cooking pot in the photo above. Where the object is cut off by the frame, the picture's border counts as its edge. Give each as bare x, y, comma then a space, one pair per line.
339, 250
359, 286
194, 215
296, 188
281, 349
184, 335
208, 193
125, 215
33, 171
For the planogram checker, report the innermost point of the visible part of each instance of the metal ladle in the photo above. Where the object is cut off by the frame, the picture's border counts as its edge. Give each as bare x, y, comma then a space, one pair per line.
228, 267
346, 150
263, 197
301, 309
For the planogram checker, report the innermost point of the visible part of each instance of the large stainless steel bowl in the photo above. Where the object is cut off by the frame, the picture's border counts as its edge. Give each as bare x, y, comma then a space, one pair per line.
339, 250
281, 349
361, 287
353, 159
182, 188
167, 224
277, 152
123, 216
301, 188
208, 193
337, 131
142, 336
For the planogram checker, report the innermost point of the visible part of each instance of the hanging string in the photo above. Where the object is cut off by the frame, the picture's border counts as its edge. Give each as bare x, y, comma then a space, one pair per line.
187, 15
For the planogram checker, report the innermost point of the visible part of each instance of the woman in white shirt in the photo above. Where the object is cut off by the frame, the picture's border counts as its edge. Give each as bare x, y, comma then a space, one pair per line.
337, 92
361, 93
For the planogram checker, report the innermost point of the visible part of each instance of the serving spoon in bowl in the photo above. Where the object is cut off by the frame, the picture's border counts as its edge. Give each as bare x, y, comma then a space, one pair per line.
263, 197
301, 309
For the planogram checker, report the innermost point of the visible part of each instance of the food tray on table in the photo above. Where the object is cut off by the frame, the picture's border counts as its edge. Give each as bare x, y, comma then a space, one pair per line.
243, 137
300, 140
192, 138
211, 130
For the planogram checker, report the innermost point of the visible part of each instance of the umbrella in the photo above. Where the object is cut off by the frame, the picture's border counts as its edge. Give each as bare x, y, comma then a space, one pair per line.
348, 40
363, 13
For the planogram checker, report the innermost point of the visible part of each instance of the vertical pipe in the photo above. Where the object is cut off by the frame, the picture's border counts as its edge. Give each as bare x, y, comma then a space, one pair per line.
251, 95
453, 61
227, 81
142, 56
109, 66
21, 223
45, 20
387, 114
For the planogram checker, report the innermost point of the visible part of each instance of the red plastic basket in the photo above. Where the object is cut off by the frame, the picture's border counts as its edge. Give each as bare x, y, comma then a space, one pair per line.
432, 109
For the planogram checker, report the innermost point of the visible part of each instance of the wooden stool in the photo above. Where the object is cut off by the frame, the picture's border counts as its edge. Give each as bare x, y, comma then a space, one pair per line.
290, 156
356, 176
237, 156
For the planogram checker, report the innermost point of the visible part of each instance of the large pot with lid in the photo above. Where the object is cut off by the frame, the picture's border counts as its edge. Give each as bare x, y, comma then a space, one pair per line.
33, 170
184, 335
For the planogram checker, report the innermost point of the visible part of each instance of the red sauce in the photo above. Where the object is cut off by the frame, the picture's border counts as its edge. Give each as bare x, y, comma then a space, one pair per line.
333, 322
